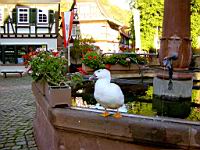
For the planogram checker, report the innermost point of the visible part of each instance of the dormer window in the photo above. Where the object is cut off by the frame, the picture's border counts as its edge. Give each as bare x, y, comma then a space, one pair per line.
23, 15
42, 16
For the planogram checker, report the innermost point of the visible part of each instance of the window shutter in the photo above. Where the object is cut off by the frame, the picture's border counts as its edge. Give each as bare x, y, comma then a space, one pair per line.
51, 16
14, 15
33, 15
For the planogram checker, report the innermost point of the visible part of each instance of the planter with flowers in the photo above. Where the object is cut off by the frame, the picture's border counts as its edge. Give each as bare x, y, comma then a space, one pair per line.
91, 61
48, 70
122, 62
116, 63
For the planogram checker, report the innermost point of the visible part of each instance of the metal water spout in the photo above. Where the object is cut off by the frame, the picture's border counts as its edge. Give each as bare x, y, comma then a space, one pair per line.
167, 62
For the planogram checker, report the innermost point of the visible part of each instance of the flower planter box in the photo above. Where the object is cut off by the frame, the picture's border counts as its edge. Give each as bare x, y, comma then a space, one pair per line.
120, 69
58, 95
41, 86
117, 68
55, 95
87, 69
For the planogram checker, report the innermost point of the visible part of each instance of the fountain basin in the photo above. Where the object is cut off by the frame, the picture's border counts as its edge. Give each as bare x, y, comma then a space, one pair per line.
82, 128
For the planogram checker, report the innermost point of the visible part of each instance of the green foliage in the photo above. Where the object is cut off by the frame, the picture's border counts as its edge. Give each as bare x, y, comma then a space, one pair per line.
116, 59
81, 47
151, 15
76, 79
93, 60
139, 108
131, 22
121, 59
195, 22
194, 115
48, 67
75, 51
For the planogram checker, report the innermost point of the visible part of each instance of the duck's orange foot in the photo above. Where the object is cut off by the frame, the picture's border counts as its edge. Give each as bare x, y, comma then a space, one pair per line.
105, 114
117, 115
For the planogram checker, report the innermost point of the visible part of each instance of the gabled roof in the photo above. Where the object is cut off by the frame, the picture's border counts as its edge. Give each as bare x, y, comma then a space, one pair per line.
99, 14
29, 1
103, 11
97, 10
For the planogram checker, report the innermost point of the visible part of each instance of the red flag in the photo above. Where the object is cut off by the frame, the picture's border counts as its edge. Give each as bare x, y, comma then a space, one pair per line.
67, 23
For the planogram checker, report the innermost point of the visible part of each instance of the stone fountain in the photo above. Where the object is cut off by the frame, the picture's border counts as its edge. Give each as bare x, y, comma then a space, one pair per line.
71, 128
174, 82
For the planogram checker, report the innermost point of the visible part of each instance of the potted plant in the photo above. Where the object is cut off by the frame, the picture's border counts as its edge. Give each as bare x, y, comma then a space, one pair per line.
121, 62
48, 70
91, 61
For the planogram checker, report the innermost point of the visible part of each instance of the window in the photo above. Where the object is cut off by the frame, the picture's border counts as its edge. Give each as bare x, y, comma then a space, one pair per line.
23, 15
1, 16
42, 16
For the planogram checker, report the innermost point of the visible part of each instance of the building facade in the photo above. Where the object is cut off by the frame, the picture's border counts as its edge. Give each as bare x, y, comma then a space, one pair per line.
95, 23
27, 25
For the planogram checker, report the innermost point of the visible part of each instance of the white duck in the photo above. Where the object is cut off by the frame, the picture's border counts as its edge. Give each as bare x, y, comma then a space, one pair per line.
109, 95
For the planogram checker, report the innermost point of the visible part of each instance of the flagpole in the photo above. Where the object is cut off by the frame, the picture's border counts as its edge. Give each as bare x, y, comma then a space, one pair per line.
68, 57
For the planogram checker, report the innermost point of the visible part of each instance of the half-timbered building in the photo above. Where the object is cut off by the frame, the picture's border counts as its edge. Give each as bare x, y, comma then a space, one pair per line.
26, 25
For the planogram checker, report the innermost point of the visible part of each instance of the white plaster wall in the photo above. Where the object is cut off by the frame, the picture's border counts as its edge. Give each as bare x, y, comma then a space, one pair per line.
106, 37
89, 11
51, 43
97, 31
108, 47
25, 30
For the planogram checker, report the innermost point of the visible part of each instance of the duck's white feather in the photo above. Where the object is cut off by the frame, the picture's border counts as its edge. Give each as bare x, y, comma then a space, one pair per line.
109, 95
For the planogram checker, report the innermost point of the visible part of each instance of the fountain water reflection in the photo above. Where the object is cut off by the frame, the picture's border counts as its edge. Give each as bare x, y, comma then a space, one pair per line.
140, 100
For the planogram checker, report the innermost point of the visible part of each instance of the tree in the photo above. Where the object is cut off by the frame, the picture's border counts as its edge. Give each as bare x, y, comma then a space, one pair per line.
152, 16
195, 22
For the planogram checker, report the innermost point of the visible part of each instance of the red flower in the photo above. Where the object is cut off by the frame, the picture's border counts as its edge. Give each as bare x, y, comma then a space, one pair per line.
80, 69
25, 56
108, 66
55, 54
89, 57
95, 57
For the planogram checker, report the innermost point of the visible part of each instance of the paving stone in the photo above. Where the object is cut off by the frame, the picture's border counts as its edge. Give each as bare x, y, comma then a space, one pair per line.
21, 143
17, 109
1, 146
19, 139
33, 148
31, 143
9, 144
16, 147
6, 148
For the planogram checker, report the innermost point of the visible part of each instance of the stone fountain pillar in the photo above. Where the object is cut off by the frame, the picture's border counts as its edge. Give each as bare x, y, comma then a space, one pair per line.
174, 83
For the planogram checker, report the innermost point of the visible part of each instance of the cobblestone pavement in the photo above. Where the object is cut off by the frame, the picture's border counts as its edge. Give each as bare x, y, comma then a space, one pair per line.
17, 109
